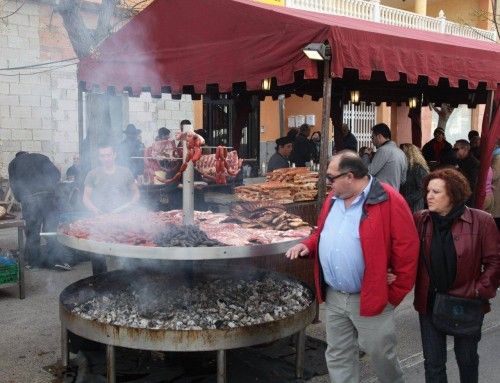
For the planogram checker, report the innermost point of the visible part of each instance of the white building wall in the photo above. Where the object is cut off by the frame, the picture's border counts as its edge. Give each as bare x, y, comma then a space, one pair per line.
38, 111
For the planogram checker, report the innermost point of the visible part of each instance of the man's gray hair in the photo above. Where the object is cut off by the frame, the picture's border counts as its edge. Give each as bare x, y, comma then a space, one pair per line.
349, 161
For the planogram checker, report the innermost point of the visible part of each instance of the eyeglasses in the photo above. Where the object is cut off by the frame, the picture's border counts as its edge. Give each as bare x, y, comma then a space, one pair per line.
331, 178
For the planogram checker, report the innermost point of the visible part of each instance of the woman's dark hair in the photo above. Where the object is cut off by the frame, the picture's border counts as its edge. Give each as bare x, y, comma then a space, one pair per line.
456, 185
316, 133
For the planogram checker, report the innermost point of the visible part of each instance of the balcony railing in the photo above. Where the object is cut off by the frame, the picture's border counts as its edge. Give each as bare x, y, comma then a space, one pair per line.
373, 11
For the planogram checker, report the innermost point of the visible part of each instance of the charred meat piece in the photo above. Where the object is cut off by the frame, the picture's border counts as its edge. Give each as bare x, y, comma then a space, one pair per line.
184, 236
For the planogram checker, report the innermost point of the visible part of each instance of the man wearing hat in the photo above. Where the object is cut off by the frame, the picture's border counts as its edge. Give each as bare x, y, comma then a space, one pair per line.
437, 149
279, 159
130, 147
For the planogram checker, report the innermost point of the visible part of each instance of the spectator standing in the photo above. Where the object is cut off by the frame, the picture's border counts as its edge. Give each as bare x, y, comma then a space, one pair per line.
302, 148
461, 255
73, 172
468, 165
279, 159
34, 180
475, 143
316, 143
412, 188
438, 149
349, 141
389, 162
130, 147
364, 228
292, 134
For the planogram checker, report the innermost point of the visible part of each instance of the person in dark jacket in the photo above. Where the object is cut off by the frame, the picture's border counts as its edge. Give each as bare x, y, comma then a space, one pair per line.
73, 172
34, 181
475, 143
316, 146
349, 141
302, 147
292, 134
468, 165
437, 149
462, 247
279, 160
411, 189
130, 147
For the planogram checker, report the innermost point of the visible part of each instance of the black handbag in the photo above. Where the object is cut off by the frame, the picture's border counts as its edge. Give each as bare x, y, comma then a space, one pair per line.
453, 315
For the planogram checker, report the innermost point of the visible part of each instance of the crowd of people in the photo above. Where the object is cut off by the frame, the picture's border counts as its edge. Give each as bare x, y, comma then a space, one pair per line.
397, 218
402, 167
369, 252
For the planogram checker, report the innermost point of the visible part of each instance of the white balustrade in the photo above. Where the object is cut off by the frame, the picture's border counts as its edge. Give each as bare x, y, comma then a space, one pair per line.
372, 10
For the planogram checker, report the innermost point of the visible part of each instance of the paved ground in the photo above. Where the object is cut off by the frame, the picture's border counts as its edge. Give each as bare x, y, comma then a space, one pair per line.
29, 330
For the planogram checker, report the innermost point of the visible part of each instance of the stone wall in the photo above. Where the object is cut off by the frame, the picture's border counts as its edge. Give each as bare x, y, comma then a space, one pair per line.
38, 107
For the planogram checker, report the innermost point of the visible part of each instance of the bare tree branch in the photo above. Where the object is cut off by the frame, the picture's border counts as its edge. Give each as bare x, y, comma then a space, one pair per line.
444, 113
106, 13
14, 12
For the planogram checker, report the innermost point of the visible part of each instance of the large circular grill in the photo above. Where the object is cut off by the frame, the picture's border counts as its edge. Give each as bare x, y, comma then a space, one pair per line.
89, 306
140, 310
175, 339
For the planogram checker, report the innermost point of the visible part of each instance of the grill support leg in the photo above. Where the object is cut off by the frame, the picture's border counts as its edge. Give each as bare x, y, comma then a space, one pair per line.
64, 347
221, 366
110, 364
300, 354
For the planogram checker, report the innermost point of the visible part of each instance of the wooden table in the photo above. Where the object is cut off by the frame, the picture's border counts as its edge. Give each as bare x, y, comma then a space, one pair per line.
19, 223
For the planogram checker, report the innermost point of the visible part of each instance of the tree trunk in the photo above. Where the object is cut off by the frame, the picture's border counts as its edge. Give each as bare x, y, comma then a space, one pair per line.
81, 37
444, 113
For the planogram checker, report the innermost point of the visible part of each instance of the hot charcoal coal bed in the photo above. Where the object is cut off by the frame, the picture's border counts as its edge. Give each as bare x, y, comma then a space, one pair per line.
183, 311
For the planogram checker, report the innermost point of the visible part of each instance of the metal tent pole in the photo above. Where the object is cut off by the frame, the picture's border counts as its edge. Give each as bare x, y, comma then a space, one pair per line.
325, 126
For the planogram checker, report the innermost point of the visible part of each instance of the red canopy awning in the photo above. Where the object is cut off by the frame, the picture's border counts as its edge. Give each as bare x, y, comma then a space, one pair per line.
188, 44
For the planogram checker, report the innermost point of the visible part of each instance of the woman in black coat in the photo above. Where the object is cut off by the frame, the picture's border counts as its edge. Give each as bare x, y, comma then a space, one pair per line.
417, 170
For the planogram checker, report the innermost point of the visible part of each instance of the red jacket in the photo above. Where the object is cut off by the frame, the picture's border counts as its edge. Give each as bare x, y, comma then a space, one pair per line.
477, 244
388, 240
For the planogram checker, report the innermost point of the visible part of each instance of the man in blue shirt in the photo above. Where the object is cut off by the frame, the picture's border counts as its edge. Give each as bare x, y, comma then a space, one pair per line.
365, 228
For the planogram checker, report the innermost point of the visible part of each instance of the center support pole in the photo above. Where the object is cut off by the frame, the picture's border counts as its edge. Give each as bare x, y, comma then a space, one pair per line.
325, 127
187, 184
221, 366
110, 364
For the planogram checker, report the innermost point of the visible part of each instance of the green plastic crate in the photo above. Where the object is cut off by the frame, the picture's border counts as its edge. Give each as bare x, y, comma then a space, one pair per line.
9, 274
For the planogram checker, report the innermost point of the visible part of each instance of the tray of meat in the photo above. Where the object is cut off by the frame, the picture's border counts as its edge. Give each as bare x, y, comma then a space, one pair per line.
159, 235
